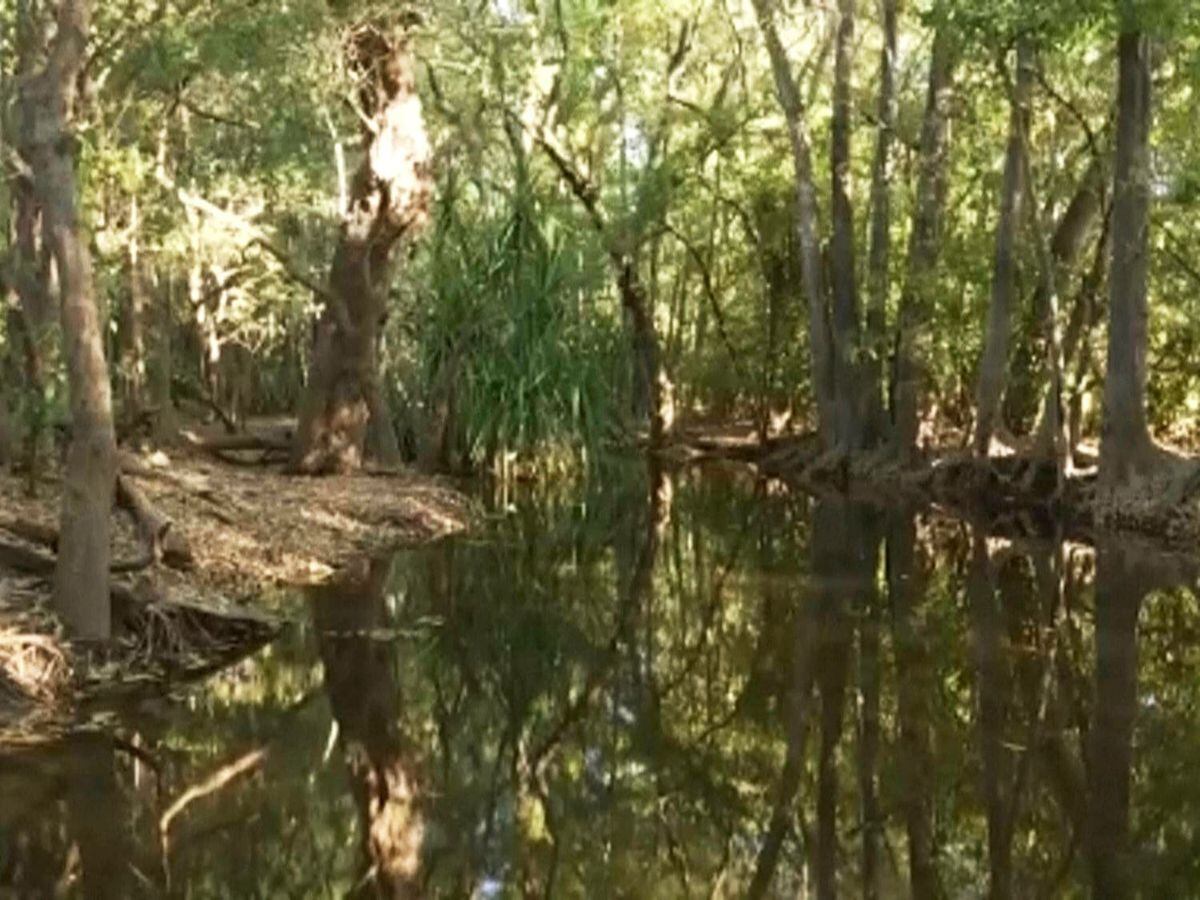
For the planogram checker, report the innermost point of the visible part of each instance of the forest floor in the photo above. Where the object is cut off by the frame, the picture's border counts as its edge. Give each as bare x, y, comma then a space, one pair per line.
249, 528
1009, 492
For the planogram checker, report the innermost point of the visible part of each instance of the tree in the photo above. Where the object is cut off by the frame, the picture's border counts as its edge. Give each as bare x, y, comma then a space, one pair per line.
1127, 452
388, 204
48, 147
924, 248
993, 367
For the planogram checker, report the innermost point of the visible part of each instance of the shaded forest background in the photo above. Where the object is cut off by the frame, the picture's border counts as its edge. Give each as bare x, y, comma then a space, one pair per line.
216, 142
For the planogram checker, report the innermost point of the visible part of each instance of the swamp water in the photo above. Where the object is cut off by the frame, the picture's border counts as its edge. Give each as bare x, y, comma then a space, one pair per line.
702, 687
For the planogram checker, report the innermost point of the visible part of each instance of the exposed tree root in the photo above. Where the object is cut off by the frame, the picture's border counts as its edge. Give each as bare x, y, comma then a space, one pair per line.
1017, 493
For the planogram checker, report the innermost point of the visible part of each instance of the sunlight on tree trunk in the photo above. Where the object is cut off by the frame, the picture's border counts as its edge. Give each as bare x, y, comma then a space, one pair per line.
389, 202
81, 577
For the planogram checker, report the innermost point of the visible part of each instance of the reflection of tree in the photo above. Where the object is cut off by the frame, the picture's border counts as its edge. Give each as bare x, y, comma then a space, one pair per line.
915, 689
98, 811
994, 688
844, 549
1121, 584
360, 677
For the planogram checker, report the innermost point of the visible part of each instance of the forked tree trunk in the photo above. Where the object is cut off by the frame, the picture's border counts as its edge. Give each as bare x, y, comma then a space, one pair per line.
924, 245
993, 367
1126, 449
389, 201
881, 219
81, 577
807, 225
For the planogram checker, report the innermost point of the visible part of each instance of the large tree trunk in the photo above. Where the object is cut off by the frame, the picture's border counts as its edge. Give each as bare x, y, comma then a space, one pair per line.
807, 225
1126, 449
879, 257
389, 200
993, 367
81, 577
924, 246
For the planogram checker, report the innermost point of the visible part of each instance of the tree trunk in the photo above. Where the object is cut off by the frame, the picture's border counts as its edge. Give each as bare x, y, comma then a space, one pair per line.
881, 235
389, 200
1126, 449
807, 226
81, 576
993, 367
30, 271
850, 391
1066, 247
133, 344
923, 249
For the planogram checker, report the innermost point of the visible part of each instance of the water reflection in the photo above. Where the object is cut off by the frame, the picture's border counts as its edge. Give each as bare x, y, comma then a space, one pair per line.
697, 685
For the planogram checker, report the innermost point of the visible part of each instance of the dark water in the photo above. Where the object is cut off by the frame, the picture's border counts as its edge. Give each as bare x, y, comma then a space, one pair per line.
704, 688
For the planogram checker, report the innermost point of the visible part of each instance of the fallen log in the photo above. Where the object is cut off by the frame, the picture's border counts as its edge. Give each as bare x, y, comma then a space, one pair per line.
267, 443
162, 540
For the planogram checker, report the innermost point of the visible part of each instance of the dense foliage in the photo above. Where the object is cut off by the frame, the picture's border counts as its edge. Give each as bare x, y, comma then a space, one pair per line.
217, 139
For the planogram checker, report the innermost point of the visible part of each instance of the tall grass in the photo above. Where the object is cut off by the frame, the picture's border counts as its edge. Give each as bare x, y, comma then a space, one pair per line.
515, 341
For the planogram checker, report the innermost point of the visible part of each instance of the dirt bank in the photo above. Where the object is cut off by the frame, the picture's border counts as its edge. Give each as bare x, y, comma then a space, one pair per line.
246, 528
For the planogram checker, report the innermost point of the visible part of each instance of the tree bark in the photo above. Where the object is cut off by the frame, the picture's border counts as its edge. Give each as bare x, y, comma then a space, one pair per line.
81, 576
1126, 448
850, 392
1067, 245
993, 367
807, 226
133, 343
880, 249
389, 201
923, 250
32, 324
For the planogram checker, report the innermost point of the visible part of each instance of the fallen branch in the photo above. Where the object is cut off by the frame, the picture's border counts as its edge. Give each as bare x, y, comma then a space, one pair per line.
236, 442
210, 785
163, 541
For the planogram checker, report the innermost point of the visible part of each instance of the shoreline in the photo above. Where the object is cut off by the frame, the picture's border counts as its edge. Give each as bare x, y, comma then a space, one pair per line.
249, 529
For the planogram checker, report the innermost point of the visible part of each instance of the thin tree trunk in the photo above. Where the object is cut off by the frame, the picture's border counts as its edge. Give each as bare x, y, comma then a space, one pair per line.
81, 576
1052, 442
389, 200
31, 266
993, 367
923, 250
1066, 247
807, 226
1126, 448
881, 216
133, 362
848, 381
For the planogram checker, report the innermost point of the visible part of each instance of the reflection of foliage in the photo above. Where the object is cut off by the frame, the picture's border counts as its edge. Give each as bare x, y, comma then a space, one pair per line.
567, 728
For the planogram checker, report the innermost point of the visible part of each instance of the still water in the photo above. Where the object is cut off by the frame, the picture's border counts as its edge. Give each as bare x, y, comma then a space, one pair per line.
702, 686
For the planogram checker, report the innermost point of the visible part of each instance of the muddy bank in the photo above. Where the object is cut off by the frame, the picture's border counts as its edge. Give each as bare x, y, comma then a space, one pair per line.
244, 529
